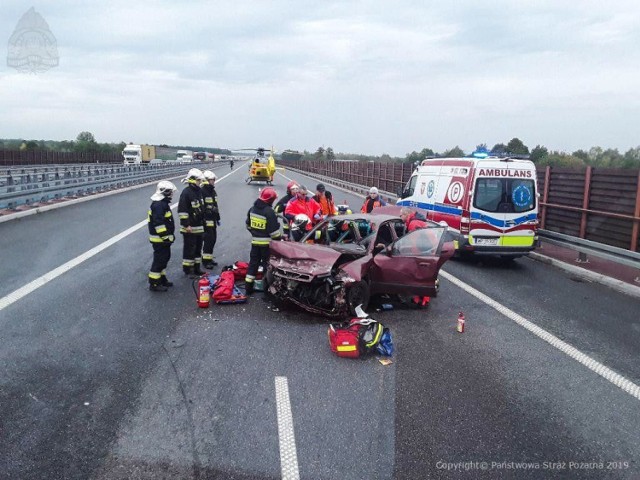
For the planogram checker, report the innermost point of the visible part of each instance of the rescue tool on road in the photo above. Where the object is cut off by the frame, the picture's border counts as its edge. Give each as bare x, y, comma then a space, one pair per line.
491, 201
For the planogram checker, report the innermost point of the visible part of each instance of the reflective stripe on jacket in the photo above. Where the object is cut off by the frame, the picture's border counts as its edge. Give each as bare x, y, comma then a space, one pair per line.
262, 223
191, 209
160, 222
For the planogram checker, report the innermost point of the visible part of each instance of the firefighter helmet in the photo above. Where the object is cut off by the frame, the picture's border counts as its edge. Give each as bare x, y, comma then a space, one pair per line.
268, 195
193, 175
209, 175
300, 222
164, 189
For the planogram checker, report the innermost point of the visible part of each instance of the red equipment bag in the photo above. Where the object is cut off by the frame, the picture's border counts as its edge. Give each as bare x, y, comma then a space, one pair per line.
355, 338
223, 287
240, 270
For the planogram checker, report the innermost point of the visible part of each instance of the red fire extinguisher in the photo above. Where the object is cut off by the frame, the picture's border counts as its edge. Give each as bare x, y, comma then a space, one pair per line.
204, 292
460, 327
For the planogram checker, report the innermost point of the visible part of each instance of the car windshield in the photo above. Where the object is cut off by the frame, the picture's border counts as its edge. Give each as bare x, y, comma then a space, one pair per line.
341, 231
131, 152
504, 195
425, 241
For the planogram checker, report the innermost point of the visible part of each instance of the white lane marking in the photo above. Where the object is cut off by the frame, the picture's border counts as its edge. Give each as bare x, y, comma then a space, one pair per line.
288, 454
56, 272
605, 372
602, 370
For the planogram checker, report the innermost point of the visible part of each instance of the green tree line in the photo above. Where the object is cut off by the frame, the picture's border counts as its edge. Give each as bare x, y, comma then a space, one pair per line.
540, 155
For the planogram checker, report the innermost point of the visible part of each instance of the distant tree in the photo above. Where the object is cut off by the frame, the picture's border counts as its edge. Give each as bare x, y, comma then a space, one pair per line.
329, 153
86, 137
454, 152
538, 153
582, 154
632, 158
319, 155
516, 147
499, 148
31, 145
561, 159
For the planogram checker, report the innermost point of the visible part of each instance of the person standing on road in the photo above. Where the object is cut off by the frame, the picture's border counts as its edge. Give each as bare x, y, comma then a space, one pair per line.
324, 198
161, 230
191, 214
373, 200
263, 225
231, 164
292, 189
211, 219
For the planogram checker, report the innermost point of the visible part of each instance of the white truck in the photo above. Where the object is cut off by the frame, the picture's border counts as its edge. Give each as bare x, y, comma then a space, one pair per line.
185, 156
133, 154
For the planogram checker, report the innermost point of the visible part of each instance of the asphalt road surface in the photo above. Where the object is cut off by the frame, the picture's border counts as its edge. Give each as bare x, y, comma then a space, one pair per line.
103, 379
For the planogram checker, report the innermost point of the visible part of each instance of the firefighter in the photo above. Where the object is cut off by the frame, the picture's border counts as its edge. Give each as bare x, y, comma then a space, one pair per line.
292, 189
373, 200
211, 219
161, 230
263, 225
191, 213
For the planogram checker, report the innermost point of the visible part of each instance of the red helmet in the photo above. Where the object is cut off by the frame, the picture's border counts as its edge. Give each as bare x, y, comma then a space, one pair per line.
290, 185
268, 195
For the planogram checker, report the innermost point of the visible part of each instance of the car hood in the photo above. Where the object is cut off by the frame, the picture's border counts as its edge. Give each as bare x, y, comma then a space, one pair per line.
303, 258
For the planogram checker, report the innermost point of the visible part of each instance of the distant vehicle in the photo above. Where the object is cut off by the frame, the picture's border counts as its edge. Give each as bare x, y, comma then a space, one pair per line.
211, 157
200, 156
345, 260
155, 161
262, 168
134, 154
491, 201
180, 154
223, 157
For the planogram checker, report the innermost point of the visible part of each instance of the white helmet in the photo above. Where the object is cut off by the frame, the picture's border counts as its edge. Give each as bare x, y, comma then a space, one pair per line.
193, 175
373, 191
164, 189
300, 222
209, 175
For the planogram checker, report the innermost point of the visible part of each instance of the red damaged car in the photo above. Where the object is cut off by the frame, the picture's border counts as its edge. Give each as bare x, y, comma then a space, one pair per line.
346, 259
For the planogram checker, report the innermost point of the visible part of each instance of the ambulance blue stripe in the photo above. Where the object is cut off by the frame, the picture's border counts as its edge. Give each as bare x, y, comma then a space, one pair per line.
474, 215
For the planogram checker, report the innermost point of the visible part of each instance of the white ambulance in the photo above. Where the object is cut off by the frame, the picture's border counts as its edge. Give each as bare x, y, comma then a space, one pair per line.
491, 201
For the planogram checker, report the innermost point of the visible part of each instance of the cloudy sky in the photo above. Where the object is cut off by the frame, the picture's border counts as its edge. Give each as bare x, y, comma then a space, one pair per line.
359, 76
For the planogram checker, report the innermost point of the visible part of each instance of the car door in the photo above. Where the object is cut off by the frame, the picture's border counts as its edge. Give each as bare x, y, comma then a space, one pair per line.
411, 264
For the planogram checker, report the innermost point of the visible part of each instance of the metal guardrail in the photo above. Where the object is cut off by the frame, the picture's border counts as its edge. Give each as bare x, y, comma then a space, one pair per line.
33, 184
587, 247
584, 247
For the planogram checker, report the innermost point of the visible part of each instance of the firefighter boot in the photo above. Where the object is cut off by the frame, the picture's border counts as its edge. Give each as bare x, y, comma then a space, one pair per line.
249, 288
165, 281
196, 270
187, 270
156, 286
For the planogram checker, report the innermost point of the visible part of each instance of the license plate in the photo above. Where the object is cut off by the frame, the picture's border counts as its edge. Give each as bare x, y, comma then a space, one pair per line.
486, 241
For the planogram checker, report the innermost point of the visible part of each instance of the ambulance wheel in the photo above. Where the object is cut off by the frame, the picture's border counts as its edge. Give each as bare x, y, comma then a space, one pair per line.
358, 294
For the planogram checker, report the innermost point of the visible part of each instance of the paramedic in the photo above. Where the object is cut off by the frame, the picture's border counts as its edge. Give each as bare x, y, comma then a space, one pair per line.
413, 220
263, 225
292, 189
324, 198
374, 200
303, 204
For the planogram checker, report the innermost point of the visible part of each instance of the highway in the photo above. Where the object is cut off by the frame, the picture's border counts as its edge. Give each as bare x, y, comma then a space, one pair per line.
103, 379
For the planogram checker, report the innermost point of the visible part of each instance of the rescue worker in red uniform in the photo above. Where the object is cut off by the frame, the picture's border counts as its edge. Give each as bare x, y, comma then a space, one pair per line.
191, 214
412, 220
292, 189
374, 200
263, 225
211, 219
161, 230
303, 204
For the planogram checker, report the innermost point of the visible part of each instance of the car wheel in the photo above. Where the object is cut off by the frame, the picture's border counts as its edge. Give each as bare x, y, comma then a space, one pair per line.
358, 294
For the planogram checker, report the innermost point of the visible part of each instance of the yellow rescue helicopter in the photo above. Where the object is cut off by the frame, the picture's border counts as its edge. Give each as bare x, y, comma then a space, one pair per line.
262, 167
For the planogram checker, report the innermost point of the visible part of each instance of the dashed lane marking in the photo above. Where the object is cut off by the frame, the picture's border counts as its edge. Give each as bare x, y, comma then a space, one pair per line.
56, 272
288, 453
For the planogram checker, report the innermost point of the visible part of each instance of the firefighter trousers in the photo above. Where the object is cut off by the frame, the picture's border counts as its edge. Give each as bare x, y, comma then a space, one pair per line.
259, 256
161, 256
191, 249
210, 237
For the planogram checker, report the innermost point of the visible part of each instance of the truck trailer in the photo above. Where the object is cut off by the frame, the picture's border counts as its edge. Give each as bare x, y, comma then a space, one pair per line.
138, 153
